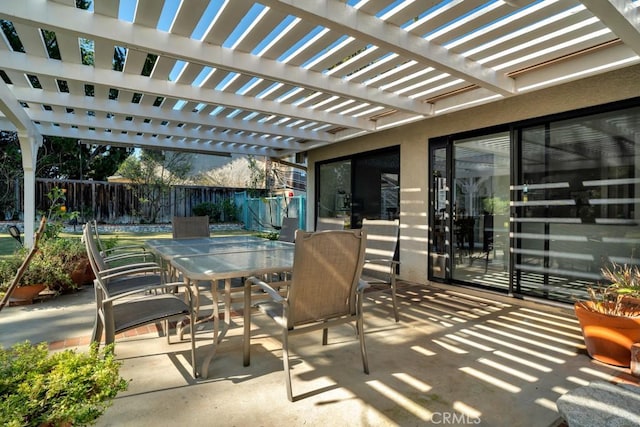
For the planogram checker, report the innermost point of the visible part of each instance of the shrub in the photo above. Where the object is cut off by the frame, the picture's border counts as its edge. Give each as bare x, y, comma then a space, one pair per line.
38, 388
208, 208
229, 210
52, 265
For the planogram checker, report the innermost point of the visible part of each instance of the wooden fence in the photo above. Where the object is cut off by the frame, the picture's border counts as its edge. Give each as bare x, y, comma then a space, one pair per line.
118, 203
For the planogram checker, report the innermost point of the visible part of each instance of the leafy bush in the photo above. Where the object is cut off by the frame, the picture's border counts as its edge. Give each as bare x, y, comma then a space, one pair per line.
38, 388
208, 208
226, 210
229, 210
52, 265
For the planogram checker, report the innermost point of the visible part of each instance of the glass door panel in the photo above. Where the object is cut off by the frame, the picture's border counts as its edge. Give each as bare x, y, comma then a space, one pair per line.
440, 220
334, 195
480, 210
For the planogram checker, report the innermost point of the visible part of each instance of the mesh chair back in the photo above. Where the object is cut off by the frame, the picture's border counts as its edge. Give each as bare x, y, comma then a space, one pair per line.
185, 227
288, 230
325, 224
93, 252
326, 270
382, 239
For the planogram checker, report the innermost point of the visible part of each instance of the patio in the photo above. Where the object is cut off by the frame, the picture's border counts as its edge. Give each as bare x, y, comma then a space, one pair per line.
458, 356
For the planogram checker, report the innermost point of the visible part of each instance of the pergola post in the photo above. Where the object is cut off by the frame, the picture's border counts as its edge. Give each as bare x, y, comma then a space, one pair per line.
29, 147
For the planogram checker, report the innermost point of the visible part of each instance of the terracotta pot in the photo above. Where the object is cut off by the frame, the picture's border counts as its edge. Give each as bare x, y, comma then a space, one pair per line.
25, 294
83, 274
608, 338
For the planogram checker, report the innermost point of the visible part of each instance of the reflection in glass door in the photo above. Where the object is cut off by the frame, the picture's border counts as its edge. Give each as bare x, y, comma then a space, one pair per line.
480, 210
440, 223
469, 210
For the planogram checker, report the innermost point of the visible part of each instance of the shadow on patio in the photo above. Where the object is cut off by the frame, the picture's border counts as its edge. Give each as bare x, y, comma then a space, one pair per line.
457, 357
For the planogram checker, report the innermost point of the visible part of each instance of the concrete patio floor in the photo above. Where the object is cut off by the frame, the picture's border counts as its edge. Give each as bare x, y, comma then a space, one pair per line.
458, 356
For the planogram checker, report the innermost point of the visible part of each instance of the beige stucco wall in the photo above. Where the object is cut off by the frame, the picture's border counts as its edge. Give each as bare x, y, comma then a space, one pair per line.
413, 141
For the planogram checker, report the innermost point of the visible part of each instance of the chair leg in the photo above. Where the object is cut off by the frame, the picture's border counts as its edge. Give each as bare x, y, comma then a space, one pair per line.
394, 299
165, 325
109, 324
285, 362
96, 336
363, 348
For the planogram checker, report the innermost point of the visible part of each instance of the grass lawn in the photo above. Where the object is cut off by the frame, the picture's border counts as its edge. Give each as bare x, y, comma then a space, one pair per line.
8, 244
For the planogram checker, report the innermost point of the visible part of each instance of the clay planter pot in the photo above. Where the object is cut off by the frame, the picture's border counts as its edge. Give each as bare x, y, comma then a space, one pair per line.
25, 294
83, 274
608, 338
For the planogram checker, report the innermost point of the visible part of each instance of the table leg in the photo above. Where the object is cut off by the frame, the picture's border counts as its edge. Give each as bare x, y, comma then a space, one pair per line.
246, 344
218, 334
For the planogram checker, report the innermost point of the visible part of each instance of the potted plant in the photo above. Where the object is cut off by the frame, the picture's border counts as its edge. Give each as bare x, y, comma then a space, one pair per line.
59, 264
38, 388
610, 317
54, 266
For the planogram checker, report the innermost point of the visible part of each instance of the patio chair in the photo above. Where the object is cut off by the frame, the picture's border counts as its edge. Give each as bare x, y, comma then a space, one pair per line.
125, 311
324, 289
189, 227
120, 252
121, 278
288, 230
325, 223
380, 266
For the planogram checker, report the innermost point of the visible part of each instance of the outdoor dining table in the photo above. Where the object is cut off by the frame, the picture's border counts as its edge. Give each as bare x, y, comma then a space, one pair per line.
167, 249
224, 262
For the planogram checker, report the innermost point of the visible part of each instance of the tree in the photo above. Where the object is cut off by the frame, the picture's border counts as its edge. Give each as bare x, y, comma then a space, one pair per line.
155, 172
257, 177
238, 173
65, 158
10, 171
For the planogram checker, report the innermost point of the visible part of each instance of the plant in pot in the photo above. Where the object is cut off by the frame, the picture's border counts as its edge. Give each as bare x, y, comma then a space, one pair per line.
610, 317
38, 388
53, 263
53, 267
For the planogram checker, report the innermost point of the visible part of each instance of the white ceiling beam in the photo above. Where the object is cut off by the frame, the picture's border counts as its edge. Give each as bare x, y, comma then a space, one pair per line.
110, 138
107, 77
12, 110
345, 19
143, 111
85, 24
621, 17
121, 125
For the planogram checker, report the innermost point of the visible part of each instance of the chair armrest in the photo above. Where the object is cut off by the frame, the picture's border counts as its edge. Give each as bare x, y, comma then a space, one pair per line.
169, 286
274, 294
128, 255
385, 261
127, 267
119, 272
126, 247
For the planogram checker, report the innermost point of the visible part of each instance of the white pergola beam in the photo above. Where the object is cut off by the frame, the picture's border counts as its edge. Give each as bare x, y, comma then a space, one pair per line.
212, 147
30, 139
133, 83
141, 112
621, 17
120, 125
99, 27
345, 19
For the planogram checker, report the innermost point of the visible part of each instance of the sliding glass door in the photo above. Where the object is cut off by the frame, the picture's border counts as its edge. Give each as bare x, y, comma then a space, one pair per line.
469, 218
366, 185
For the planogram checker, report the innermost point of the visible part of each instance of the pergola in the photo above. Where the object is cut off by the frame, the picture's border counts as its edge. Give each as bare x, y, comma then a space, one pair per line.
279, 77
